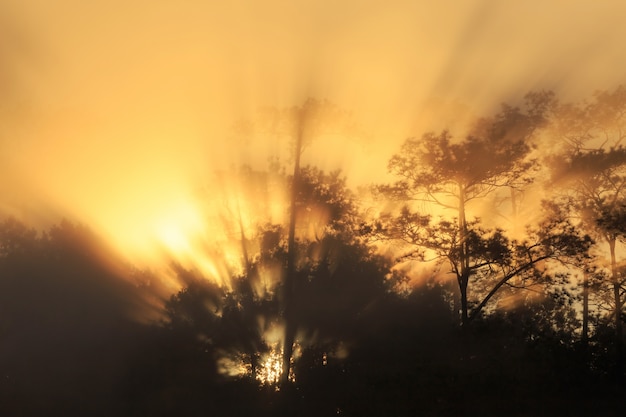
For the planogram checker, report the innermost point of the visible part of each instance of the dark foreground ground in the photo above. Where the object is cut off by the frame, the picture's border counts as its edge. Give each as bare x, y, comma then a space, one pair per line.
157, 375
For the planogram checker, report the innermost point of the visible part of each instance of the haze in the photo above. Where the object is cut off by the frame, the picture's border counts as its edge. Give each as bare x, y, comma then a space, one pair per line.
113, 113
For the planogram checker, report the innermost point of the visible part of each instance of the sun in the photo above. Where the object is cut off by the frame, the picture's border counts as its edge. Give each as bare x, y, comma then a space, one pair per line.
173, 237
177, 225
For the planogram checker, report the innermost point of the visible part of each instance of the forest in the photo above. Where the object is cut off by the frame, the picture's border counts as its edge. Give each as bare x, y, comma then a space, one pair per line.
486, 278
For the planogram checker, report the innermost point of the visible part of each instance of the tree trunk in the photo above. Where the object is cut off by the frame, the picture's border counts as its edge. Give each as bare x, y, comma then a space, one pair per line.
289, 279
514, 211
254, 365
456, 299
463, 287
618, 311
585, 331
464, 258
244, 248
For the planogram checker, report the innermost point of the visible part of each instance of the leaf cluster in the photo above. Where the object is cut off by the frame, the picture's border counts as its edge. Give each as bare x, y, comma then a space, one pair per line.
495, 153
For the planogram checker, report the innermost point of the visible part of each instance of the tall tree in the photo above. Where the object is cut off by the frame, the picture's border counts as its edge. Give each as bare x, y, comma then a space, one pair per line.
301, 125
451, 174
590, 170
335, 277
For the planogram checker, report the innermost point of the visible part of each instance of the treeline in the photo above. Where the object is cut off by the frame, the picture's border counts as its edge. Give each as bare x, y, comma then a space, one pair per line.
486, 280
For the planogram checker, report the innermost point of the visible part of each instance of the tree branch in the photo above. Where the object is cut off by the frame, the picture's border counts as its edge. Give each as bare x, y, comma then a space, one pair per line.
503, 281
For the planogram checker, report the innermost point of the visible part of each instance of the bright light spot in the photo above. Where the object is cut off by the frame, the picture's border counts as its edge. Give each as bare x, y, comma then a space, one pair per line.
268, 371
173, 237
176, 224
271, 367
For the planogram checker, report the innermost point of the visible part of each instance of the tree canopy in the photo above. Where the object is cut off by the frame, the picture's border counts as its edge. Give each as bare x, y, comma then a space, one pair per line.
430, 300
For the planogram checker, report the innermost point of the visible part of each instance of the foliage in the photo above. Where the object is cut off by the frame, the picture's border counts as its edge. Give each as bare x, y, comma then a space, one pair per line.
451, 174
493, 154
368, 343
338, 276
66, 325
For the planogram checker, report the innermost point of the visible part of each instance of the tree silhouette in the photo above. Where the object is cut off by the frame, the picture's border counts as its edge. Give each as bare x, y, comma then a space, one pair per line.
590, 171
67, 321
336, 276
301, 125
440, 171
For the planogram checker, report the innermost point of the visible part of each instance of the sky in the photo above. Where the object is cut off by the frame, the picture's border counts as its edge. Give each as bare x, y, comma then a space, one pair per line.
113, 113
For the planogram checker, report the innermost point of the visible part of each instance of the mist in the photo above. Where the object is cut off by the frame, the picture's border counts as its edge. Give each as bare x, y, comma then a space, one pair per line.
115, 109
123, 116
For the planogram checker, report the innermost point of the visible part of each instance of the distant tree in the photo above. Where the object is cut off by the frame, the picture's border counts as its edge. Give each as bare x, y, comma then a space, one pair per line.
589, 174
451, 174
16, 239
598, 181
67, 320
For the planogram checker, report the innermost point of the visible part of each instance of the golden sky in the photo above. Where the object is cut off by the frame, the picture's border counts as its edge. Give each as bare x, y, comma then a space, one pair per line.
112, 112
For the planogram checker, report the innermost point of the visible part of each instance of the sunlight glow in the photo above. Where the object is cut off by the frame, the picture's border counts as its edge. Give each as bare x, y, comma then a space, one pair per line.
123, 120
271, 367
233, 365
173, 237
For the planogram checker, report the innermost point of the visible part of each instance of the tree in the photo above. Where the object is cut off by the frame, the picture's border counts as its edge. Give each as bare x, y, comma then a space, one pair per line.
68, 314
598, 182
335, 277
301, 125
333, 273
595, 180
590, 170
438, 171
